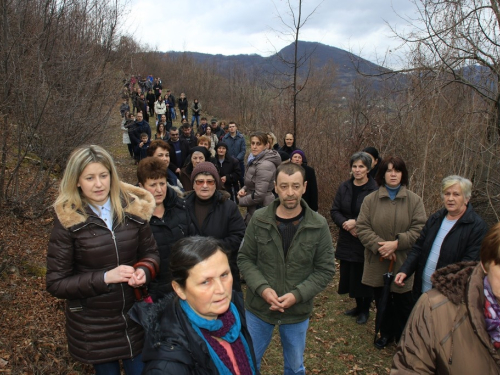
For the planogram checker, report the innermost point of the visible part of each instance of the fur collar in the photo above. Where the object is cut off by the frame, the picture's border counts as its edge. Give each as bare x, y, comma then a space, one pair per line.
142, 204
452, 280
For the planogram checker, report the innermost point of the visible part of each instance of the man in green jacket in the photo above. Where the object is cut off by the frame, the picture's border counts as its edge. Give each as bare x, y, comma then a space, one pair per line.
287, 258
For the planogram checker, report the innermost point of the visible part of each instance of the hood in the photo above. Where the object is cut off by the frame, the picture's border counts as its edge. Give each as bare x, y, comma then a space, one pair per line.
271, 156
142, 204
452, 280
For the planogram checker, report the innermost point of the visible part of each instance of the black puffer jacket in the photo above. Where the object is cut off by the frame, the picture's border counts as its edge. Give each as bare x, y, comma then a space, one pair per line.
230, 168
225, 223
174, 225
349, 248
80, 252
462, 243
172, 347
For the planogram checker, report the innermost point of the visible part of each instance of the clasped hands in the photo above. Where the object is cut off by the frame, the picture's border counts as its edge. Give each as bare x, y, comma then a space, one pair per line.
126, 274
278, 303
387, 249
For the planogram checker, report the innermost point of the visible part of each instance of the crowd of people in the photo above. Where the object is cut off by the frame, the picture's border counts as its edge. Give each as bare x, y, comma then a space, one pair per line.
153, 272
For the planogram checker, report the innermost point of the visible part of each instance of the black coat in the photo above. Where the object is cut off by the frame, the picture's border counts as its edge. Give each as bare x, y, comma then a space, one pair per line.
311, 194
172, 346
174, 225
349, 248
175, 161
462, 243
230, 169
225, 223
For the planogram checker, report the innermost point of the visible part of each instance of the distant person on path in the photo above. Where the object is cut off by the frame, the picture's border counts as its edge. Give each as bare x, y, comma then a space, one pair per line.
451, 235
196, 112
287, 258
142, 106
215, 215
213, 139
454, 327
145, 142
376, 159
157, 87
140, 126
311, 193
197, 155
350, 251
101, 248
259, 178
163, 121
127, 122
171, 98
188, 136
160, 108
289, 144
124, 108
229, 170
170, 220
216, 129
162, 132
151, 99
203, 126
389, 223
183, 106
180, 151
273, 145
236, 147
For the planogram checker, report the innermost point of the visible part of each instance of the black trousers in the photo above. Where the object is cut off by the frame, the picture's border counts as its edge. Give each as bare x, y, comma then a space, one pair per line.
396, 314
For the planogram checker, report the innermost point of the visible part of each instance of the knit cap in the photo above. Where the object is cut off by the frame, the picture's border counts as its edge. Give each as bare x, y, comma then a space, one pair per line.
206, 167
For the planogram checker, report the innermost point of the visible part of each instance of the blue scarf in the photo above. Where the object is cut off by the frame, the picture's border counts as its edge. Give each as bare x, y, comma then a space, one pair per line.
231, 336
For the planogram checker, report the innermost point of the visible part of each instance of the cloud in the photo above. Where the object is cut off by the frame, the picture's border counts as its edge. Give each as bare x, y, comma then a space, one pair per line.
238, 26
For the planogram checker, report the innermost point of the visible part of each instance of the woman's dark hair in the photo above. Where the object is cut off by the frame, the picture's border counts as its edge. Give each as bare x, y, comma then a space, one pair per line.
157, 143
262, 137
151, 168
398, 164
188, 252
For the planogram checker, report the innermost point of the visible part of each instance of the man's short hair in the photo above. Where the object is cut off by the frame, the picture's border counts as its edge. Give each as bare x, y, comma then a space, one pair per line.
186, 126
290, 169
144, 135
173, 129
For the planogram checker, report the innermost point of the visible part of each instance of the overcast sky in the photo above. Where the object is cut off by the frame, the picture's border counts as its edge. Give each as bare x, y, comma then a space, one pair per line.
233, 27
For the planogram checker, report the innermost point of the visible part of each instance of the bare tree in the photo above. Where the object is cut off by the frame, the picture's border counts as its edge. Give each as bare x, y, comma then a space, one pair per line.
59, 75
459, 41
293, 71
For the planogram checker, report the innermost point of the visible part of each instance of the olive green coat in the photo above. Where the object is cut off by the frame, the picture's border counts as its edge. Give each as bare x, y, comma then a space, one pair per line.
307, 269
381, 219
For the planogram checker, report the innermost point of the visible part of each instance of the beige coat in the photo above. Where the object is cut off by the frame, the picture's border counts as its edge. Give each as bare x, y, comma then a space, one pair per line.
382, 219
446, 333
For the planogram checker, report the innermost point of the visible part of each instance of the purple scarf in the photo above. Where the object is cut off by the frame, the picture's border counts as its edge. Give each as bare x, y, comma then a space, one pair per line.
491, 314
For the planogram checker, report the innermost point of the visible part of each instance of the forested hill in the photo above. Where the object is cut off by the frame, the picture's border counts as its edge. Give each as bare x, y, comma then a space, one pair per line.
321, 55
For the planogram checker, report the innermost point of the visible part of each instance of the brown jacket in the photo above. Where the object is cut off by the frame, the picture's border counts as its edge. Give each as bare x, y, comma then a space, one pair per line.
446, 331
80, 252
381, 219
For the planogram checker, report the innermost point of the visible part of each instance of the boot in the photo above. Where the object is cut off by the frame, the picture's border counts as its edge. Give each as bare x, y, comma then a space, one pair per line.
364, 313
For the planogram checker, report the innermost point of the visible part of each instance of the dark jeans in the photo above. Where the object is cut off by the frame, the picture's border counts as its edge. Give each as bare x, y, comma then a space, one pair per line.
398, 310
132, 366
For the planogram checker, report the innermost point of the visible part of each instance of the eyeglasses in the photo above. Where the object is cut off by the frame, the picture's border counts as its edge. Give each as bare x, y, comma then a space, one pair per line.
202, 182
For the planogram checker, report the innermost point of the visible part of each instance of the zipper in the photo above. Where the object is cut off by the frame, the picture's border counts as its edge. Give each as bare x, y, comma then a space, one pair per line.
117, 264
